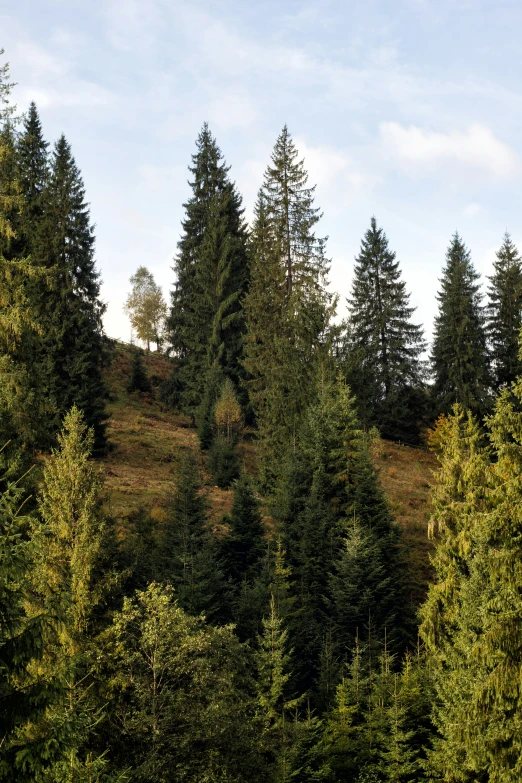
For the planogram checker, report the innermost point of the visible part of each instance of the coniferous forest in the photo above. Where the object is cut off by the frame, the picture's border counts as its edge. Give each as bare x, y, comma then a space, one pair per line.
285, 638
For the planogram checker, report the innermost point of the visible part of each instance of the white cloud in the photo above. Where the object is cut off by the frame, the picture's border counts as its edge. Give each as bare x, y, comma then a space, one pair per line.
472, 209
476, 148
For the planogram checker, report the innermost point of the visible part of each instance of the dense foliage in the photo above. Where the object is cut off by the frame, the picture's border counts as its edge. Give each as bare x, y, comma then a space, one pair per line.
276, 639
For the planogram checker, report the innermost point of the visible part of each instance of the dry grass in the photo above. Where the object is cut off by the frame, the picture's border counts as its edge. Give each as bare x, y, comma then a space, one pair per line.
148, 443
406, 474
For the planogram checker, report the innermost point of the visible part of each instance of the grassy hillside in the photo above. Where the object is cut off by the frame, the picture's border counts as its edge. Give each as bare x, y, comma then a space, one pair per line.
148, 442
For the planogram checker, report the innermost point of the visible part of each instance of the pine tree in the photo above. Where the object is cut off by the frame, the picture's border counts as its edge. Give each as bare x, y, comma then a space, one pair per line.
72, 351
505, 313
206, 324
139, 380
458, 356
287, 307
387, 373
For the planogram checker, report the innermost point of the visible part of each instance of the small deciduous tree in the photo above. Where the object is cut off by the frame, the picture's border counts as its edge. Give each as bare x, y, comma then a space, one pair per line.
146, 307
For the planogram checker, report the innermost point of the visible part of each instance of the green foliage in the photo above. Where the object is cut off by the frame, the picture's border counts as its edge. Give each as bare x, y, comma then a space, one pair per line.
71, 350
70, 581
287, 307
139, 380
146, 307
182, 694
384, 346
243, 546
206, 323
505, 313
188, 549
21, 636
459, 359
472, 614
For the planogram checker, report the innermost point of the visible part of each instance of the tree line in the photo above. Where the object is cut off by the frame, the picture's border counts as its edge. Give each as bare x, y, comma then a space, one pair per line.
293, 645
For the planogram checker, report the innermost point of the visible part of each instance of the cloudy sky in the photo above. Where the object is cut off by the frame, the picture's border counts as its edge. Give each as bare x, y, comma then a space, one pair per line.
410, 111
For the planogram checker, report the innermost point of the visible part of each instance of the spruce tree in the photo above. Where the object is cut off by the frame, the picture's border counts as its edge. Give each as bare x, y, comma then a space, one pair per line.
188, 550
459, 359
288, 306
243, 546
21, 640
206, 323
70, 581
139, 380
34, 171
72, 351
505, 313
387, 373
24, 403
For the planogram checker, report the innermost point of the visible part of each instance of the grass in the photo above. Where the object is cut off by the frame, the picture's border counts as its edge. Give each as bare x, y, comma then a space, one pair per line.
149, 442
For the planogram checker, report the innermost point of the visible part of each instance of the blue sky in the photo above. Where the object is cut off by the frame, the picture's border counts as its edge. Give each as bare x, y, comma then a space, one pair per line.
410, 110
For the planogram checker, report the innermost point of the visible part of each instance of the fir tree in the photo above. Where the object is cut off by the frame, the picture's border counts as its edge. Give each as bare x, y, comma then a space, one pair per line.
139, 380
505, 313
458, 356
206, 323
387, 373
287, 307
72, 351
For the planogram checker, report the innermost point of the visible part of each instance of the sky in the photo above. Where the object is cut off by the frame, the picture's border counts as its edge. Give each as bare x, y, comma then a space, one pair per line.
410, 111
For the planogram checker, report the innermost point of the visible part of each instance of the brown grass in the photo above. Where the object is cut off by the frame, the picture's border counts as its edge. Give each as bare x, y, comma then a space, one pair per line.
148, 443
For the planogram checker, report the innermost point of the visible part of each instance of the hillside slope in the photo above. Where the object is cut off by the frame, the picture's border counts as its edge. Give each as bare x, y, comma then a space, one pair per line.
149, 441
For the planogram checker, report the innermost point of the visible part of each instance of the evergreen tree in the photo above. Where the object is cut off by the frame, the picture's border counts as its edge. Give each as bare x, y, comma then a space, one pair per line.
206, 324
243, 546
387, 373
70, 579
24, 406
21, 639
287, 307
139, 380
458, 356
72, 351
34, 171
505, 313
189, 551
182, 696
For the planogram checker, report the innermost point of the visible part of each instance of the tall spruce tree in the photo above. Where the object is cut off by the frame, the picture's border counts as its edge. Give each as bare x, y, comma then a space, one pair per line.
72, 352
288, 306
206, 323
34, 170
459, 358
387, 373
505, 313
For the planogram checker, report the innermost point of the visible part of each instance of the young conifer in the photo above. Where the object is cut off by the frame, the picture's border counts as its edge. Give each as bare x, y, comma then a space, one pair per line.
139, 380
